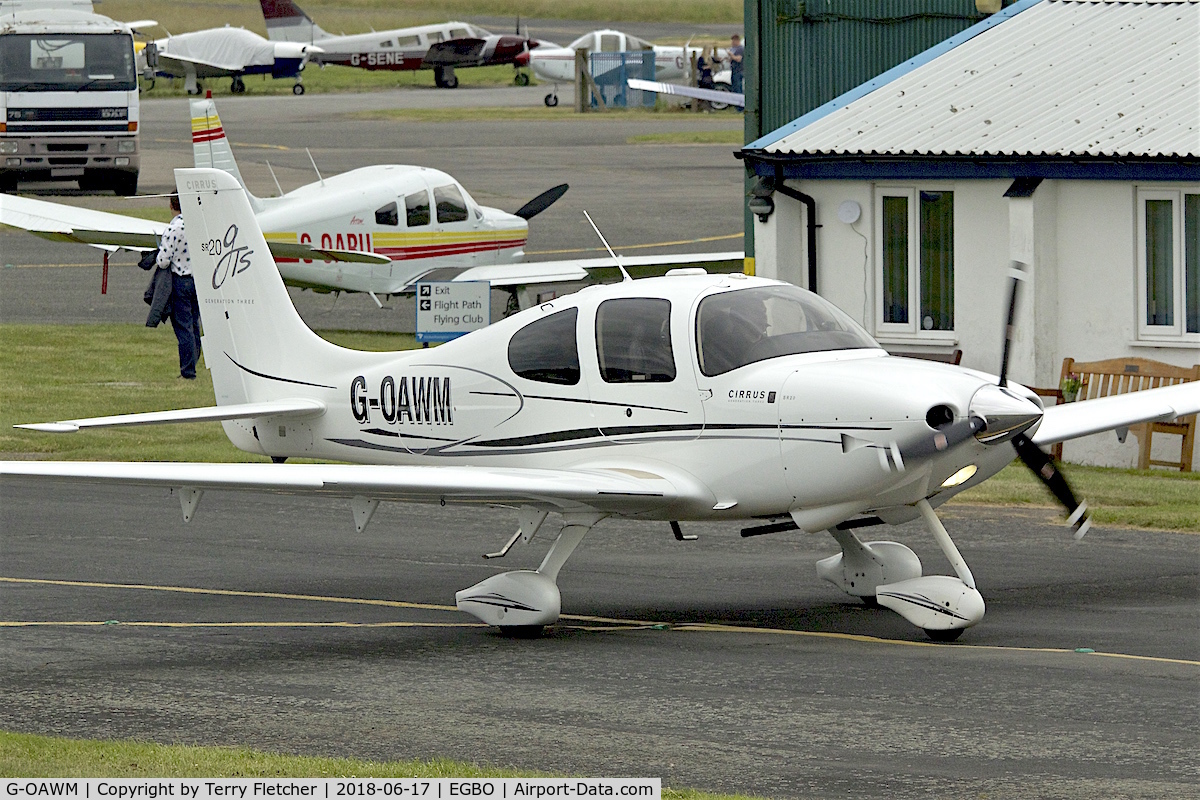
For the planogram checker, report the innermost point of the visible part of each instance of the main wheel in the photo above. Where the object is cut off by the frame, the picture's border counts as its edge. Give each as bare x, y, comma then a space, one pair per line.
237, 86
716, 105
298, 89
445, 78
521, 631
551, 100
944, 635
124, 184
521, 79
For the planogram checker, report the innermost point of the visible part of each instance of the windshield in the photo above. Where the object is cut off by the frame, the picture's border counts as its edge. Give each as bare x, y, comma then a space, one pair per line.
737, 328
77, 62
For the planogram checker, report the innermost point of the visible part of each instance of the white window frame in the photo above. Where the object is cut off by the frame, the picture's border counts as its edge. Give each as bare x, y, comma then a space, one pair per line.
1178, 330
886, 331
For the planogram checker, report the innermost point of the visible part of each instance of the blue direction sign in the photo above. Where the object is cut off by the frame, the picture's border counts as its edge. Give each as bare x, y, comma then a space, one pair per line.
448, 309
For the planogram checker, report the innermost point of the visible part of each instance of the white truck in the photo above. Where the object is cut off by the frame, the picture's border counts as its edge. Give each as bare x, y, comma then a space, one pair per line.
68, 97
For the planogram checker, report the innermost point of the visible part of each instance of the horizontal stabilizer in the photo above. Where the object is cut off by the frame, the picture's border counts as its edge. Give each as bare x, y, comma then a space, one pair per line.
299, 407
294, 250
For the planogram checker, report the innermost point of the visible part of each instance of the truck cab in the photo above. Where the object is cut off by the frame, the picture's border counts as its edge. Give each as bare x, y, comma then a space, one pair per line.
69, 99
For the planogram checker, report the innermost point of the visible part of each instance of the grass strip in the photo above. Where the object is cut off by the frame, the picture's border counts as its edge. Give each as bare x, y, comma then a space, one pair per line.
733, 137
30, 756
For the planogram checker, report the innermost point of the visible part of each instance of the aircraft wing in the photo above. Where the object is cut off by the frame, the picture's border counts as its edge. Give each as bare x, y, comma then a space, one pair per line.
601, 490
466, 51
63, 223
1072, 420
712, 95
600, 269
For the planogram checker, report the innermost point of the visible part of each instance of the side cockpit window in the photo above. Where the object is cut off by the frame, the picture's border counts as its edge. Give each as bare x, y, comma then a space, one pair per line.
387, 215
416, 206
633, 341
547, 350
450, 204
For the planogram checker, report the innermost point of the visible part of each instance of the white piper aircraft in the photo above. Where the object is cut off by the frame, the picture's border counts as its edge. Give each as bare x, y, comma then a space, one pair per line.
676, 398
375, 229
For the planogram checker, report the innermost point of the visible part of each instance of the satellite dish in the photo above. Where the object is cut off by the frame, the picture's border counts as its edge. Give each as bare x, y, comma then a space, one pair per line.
849, 212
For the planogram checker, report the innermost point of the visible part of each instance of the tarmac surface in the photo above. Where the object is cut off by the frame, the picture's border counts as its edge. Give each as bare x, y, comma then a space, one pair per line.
721, 664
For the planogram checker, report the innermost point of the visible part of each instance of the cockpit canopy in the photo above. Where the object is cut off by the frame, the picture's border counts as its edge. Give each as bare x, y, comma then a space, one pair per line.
733, 328
737, 328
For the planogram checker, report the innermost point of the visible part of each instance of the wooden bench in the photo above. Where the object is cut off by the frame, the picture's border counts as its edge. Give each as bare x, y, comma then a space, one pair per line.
1121, 375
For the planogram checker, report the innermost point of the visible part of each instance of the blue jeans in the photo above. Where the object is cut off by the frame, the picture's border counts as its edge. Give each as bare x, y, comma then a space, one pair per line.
185, 318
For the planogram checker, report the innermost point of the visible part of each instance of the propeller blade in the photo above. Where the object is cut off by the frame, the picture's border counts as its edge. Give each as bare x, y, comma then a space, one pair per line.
1017, 274
540, 203
1047, 471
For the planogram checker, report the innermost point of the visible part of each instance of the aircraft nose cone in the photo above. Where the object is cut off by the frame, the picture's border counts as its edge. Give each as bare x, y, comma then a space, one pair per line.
1004, 412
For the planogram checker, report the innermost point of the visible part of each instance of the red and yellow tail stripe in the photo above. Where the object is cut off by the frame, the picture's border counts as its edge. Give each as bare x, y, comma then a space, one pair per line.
207, 129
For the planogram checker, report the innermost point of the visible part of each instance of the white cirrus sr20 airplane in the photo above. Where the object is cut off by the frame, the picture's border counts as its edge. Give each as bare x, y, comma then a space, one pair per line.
677, 398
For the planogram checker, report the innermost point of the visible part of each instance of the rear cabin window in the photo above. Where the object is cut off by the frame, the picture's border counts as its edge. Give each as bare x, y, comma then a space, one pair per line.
387, 215
416, 206
633, 341
450, 204
546, 350
408, 41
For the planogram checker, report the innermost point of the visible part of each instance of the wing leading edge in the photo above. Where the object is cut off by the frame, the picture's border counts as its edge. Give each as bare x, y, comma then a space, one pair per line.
1072, 420
564, 490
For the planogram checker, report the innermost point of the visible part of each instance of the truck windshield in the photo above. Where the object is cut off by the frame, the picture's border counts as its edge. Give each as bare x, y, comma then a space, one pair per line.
66, 63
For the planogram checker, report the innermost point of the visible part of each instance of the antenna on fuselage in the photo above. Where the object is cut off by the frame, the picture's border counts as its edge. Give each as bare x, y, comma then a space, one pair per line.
314, 163
617, 258
272, 171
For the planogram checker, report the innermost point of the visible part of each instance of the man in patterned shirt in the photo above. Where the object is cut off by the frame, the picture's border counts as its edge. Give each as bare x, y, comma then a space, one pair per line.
185, 309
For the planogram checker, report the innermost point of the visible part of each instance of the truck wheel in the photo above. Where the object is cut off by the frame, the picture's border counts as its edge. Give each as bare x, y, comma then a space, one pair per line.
124, 184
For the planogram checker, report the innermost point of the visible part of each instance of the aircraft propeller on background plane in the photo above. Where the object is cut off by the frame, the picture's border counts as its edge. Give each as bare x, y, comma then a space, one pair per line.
540, 203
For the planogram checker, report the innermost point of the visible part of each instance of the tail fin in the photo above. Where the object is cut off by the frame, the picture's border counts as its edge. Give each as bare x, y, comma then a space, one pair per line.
210, 148
287, 22
255, 343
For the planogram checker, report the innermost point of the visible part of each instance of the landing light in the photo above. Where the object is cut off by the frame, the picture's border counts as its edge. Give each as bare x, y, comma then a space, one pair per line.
962, 476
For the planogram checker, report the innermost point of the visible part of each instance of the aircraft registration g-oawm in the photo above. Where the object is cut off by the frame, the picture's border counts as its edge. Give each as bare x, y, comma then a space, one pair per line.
677, 398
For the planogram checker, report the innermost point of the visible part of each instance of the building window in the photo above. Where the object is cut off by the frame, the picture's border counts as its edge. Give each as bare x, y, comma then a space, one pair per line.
914, 231
1169, 264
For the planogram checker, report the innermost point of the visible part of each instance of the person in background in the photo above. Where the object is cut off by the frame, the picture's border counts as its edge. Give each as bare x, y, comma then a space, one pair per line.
736, 66
185, 309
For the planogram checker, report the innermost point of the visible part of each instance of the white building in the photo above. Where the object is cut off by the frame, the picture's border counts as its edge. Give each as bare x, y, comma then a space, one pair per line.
1064, 134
